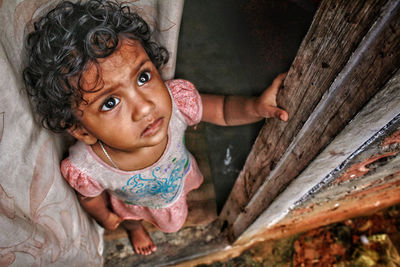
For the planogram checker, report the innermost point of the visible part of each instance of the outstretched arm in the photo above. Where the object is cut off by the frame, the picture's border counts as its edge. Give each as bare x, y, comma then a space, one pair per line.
97, 208
238, 110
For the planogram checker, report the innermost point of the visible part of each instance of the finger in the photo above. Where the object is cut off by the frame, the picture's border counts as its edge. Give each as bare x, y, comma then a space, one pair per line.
283, 115
283, 74
278, 81
276, 84
278, 113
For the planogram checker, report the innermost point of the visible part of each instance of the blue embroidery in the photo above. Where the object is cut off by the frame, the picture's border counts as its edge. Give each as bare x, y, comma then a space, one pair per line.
163, 185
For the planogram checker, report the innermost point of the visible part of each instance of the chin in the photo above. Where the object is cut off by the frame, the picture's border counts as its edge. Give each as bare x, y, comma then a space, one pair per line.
157, 138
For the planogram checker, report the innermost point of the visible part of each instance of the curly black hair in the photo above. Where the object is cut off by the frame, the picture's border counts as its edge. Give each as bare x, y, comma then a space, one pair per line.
65, 42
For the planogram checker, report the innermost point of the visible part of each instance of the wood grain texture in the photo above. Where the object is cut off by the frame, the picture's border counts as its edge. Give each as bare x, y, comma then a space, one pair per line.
350, 51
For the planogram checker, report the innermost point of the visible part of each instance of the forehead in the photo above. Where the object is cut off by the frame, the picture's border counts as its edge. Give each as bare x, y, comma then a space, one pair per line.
128, 52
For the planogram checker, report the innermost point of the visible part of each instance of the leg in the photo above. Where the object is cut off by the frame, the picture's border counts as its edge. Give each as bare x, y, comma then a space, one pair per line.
140, 238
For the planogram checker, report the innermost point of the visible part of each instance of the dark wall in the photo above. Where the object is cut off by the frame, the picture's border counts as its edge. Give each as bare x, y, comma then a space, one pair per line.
237, 47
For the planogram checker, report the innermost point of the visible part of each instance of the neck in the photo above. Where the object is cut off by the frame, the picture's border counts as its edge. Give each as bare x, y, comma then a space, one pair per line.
130, 161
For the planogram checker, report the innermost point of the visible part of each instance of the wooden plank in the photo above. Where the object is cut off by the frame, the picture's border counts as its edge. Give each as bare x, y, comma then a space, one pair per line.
349, 52
314, 187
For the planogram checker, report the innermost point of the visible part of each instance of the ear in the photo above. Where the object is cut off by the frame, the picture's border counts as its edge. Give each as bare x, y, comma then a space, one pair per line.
82, 134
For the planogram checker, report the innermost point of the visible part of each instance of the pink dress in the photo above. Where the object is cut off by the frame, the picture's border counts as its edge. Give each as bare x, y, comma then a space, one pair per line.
157, 193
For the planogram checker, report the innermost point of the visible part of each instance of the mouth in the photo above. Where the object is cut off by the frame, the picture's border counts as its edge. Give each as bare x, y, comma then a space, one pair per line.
153, 127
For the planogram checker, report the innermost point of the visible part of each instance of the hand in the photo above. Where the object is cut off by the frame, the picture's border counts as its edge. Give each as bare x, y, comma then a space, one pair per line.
112, 221
266, 104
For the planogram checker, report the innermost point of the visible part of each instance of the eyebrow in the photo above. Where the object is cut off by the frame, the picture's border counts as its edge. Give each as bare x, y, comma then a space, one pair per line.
112, 88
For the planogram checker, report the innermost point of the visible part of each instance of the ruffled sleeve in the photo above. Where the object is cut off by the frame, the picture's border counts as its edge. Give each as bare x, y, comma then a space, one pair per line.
78, 180
188, 100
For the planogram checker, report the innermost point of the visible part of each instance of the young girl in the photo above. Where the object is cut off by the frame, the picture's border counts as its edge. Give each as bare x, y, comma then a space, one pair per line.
93, 71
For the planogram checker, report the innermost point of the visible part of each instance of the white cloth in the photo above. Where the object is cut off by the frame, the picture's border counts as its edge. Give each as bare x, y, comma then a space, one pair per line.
41, 221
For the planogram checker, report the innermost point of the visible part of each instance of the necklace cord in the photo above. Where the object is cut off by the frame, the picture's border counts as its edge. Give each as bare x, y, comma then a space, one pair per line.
108, 156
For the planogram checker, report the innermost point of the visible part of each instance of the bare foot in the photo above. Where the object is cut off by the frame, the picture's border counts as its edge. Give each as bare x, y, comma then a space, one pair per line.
140, 238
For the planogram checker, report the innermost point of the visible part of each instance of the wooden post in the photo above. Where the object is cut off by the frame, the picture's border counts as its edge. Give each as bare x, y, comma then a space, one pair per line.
350, 51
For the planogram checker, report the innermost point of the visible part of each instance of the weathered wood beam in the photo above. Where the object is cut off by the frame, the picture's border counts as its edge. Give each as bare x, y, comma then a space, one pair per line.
381, 116
350, 51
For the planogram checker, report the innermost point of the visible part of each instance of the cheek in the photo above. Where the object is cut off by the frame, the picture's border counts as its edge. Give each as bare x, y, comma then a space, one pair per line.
164, 98
168, 104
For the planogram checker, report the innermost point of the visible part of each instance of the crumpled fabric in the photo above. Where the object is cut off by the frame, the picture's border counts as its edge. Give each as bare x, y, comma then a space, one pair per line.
41, 221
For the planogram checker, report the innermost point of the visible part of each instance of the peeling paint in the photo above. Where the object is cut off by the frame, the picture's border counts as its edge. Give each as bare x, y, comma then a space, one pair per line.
373, 189
393, 139
303, 210
361, 169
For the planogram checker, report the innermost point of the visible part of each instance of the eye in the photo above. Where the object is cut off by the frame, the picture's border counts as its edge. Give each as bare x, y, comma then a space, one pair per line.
109, 104
143, 78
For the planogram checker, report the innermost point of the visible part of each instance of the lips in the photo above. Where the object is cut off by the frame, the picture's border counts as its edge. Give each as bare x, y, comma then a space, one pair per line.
153, 127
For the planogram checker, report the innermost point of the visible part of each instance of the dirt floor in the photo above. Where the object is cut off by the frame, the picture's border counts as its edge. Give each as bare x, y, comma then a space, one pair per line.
372, 240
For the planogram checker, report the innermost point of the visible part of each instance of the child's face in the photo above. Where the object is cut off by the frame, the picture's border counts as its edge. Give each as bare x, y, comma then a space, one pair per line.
132, 109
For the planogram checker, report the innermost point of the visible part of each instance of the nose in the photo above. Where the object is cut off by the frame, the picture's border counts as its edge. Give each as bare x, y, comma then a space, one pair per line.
142, 107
